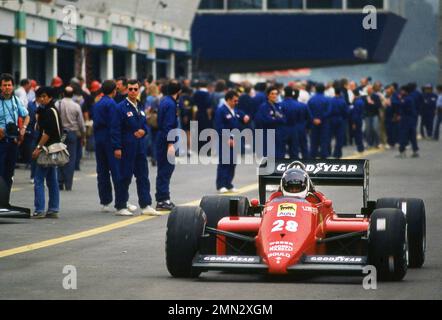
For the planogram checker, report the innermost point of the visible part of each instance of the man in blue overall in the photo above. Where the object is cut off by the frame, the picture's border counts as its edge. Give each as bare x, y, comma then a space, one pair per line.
438, 113
391, 122
319, 106
202, 102
407, 122
303, 124
129, 126
270, 117
167, 121
107, 167
228, 117
11, 109
428, 112
290, 110
338, 118
357, 117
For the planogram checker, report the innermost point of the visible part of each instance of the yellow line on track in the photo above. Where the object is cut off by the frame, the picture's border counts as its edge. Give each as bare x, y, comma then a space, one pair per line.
129, 222
72, 237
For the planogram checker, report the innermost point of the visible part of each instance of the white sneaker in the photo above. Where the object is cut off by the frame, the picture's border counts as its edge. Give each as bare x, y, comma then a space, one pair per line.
124, 213
223, 191
149, 211
131, 207
106, 209
233, 190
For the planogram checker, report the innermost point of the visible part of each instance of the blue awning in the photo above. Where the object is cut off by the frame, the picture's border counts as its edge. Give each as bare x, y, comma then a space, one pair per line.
66, 45
30, 44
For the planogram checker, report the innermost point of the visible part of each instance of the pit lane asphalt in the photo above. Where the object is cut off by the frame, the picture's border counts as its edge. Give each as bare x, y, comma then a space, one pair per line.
129, 262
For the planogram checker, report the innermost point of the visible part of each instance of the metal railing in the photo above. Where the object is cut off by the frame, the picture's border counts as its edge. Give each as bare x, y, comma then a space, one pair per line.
265, 8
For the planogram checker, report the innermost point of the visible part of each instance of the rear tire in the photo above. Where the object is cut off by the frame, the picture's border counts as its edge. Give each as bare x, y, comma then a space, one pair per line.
387, 244
417, 239
416, 226
388, 203
185, 228
216, 208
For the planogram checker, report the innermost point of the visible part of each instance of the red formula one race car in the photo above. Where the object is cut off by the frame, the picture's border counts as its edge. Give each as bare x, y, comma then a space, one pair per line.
297, 229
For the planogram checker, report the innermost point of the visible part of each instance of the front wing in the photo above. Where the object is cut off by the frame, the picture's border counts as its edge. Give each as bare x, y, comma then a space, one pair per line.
319, 264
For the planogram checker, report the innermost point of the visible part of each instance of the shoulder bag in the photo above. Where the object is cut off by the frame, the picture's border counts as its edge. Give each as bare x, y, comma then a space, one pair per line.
55, 155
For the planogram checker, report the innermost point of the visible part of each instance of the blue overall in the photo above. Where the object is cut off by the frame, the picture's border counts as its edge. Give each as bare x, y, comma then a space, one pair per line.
428, 113
338, 118
107, 167
356, 117
438, 117
418, 99
319, 106
291, 139
269, 117
167, 121
391, 123
226, 120
303, 123
202, 101
126, 121
408, 123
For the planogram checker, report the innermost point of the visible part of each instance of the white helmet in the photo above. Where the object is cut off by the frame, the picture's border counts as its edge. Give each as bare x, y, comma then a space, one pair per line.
295, 183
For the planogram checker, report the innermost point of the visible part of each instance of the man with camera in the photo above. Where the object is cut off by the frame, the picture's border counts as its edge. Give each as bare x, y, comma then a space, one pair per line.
11, 135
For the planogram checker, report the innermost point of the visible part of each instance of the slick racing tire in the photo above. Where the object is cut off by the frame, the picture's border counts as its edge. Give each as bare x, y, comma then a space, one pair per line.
185, 228
216, 208
387, 244
414, 210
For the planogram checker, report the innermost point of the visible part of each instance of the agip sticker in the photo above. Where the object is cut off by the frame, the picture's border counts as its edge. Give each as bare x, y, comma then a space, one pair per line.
287, 210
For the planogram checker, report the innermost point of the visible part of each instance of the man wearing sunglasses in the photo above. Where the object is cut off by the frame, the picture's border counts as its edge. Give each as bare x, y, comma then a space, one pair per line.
129, 127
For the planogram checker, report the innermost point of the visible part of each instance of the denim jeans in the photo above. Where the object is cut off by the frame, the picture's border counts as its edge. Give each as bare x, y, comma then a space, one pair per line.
78, 155
50, 175
372, 131
437, 127
66, 173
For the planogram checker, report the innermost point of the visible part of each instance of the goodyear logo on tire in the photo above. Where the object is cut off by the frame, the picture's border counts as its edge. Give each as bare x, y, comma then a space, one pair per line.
287, 210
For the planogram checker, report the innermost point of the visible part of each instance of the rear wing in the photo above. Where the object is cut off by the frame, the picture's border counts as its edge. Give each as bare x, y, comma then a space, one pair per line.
350, 173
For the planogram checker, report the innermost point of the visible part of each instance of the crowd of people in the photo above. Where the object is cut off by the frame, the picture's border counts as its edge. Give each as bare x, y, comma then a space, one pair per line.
125, 122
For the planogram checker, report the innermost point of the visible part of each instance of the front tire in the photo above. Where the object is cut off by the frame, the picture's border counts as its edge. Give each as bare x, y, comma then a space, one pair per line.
185, 228
216, 208
414, 210
387, 244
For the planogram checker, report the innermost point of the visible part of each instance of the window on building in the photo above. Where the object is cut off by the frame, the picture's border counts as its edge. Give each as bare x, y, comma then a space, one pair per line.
244, 4
359, 4
212, 4
284, 4
324, 4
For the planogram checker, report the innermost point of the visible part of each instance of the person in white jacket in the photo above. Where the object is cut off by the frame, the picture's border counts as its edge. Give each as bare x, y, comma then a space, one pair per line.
22, 92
